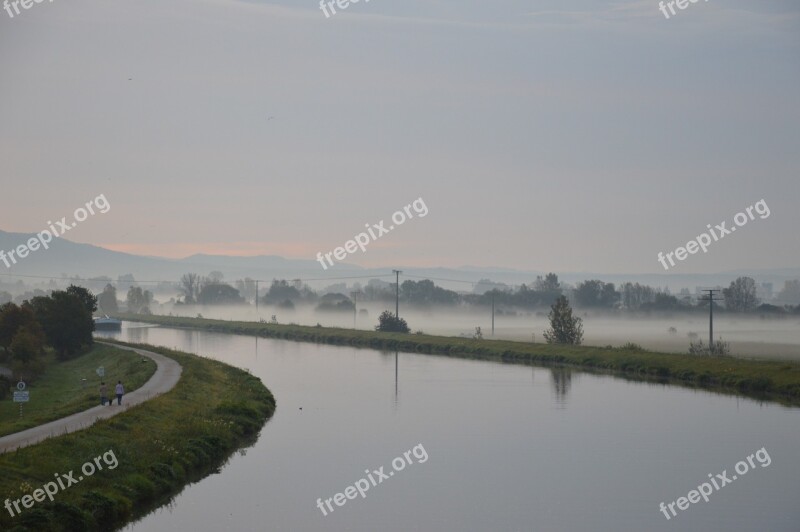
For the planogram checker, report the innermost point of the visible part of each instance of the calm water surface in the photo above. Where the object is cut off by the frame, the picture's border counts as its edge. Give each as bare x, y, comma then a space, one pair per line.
510, 448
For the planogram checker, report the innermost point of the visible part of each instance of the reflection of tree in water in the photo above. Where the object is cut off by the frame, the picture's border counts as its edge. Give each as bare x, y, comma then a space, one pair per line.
138, 334
561, 379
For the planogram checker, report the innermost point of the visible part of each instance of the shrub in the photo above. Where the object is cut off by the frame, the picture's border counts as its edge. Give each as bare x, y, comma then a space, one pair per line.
630, 346
387, 322
720, 348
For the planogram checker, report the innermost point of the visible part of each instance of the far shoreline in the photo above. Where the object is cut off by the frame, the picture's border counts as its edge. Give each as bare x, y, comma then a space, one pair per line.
764, 380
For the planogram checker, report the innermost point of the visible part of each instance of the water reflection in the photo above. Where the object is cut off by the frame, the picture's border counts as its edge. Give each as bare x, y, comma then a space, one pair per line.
138, 334
396, 377
561, 379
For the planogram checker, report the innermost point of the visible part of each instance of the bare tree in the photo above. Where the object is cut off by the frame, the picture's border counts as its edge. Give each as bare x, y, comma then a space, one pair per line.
190, 287
740, 296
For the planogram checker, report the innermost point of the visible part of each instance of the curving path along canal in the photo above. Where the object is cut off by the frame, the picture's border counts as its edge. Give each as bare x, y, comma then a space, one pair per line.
166, 376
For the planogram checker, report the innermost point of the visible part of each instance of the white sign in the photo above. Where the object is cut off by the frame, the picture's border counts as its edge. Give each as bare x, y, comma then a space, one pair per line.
22, 397
20, 386
101, 371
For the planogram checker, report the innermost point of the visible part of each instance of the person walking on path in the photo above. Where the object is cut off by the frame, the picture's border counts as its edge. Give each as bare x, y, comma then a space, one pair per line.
120, 391
103, 394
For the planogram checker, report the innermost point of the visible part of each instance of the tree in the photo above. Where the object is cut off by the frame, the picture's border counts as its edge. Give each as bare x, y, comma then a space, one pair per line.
548, 288
335, 303
425, 293
280, 290
387, 322
107, 300
26, 351
596, 293
547, 284
138, 300
88, 299
740, 296
564, 328
190, 287
662, 301
219, 294
247, 288
12, 318
635, 295
66, 320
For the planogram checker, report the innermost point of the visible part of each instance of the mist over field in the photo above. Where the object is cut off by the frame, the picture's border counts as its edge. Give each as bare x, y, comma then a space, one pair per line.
496, 233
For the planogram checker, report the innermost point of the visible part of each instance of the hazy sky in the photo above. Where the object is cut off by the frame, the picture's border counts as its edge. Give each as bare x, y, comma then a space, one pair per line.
543, 135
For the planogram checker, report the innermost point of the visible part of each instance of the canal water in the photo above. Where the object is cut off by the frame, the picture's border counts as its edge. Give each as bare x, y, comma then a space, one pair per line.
478, 446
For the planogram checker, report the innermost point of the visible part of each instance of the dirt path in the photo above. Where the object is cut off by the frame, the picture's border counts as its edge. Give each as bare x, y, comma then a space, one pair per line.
167, 374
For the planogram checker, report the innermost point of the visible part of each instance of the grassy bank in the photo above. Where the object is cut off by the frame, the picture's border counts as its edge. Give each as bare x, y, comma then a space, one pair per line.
60, 390
160, 446
762, 379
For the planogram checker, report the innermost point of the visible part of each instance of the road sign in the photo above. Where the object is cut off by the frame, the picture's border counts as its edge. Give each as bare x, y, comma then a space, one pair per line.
22, 397
101, 371
20, 385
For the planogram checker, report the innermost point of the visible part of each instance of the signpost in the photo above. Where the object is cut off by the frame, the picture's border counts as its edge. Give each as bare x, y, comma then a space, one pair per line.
21, 396
101, 371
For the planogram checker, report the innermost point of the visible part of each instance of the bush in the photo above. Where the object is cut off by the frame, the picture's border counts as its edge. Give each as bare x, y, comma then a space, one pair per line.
387, 322
630, 346
720, 348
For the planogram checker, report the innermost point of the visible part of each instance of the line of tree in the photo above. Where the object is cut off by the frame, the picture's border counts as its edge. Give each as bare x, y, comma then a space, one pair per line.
545, 290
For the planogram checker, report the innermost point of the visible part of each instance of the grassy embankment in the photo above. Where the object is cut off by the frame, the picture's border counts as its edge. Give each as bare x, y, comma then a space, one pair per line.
59, 391
161, 445
762, 379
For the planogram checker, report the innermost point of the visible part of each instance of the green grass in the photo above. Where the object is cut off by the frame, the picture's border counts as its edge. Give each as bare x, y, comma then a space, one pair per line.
160, 445
60, 392
770, 380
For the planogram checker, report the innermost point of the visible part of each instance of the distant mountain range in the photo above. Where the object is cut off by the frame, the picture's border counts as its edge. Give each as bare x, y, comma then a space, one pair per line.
84, 260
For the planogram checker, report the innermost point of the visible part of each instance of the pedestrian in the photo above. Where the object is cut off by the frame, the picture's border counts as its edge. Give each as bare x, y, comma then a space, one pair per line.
103, 394
120, 391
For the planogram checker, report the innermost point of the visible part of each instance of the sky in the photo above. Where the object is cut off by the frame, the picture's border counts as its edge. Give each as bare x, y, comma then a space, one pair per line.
561, 136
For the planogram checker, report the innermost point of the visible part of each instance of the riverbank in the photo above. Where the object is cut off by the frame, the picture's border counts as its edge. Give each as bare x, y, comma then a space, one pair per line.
160, 446
770, 380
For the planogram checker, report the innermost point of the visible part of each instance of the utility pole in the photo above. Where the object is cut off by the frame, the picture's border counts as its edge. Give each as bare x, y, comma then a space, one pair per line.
256, 297
492, 312
355, 305
397, 294
711, 300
